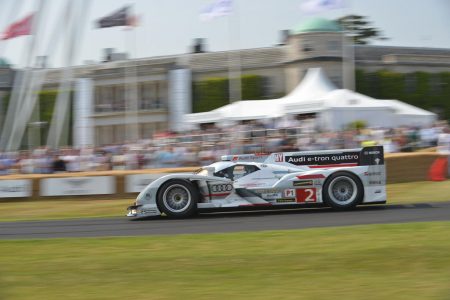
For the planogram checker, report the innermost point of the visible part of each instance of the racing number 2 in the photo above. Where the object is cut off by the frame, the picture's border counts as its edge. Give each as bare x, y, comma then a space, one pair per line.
305, 195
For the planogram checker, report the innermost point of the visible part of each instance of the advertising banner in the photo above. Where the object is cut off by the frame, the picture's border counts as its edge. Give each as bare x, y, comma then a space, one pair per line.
17, 188
74, 186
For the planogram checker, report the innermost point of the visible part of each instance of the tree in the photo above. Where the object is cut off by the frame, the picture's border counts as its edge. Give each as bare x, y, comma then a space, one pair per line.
360, 29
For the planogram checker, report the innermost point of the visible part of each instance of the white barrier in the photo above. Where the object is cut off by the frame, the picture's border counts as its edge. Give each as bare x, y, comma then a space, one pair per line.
73, 186
15, 188
137, 182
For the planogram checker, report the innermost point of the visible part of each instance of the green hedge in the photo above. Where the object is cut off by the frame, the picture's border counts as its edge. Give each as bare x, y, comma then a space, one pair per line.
210, 94
213, 93
425, 90
47, 99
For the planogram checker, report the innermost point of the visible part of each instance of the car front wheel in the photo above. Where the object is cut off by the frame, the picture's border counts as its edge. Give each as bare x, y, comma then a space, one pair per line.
178, 198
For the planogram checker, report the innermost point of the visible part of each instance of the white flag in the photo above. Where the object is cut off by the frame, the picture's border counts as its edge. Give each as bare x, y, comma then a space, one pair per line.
216, 9
316, 6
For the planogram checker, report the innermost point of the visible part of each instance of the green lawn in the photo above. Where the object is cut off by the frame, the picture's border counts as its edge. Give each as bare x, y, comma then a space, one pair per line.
399, 193
402, 261
421, 191
61, 209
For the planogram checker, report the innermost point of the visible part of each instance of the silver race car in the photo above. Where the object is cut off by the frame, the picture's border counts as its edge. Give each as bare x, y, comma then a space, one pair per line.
340, 179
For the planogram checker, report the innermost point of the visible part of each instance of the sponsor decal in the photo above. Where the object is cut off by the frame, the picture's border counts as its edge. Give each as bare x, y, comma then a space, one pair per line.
374, 152
289, 193
217, 188
266, 191
375, 182
303, 183
306, 195
312, 176
372, 173
249, 157
378, 192
279, 157
271, 196
285, 200
323, 159
371, 156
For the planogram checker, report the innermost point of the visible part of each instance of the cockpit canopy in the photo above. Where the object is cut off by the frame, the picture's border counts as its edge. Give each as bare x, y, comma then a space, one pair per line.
229, 170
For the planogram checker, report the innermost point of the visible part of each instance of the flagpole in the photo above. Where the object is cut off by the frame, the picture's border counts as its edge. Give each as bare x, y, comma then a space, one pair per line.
234, 67
59, 128
131, 105
348, 56
134, 78
7, 138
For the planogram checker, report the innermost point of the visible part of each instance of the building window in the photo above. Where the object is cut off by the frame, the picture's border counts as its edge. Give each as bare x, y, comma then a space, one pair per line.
103, 99
307, 46
97, 99
333, 45
163, 94
119, 133
146, 95
146, 130
119, 104
160, 95
104, 135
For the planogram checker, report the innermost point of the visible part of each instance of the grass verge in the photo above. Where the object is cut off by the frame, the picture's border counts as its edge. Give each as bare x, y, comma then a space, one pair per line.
401, 261
400, 193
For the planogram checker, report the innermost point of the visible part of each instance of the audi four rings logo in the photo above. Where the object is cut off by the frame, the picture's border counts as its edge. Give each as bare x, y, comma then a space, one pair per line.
221, 188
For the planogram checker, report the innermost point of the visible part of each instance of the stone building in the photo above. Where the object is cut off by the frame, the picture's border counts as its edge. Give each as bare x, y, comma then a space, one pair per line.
134, 98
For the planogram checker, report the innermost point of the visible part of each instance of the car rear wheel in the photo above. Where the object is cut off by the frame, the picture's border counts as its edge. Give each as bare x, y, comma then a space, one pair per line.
343, 190
178, 198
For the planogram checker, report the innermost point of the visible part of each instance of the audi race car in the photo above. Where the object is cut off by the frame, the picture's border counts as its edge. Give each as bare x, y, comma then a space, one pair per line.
340, 179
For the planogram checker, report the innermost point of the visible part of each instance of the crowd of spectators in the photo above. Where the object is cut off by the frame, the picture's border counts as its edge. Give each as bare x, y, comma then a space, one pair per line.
202, 147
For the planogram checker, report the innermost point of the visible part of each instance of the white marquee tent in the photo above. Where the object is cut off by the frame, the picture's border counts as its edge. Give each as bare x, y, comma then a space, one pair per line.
334, 107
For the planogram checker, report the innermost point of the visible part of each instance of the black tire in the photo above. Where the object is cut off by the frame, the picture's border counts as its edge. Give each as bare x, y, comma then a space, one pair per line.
343, 190
177, 198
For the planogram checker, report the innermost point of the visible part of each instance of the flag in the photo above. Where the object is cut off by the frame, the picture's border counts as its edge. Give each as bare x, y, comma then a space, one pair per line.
22, 27
134, 21
317, 6
216, 9
118, 18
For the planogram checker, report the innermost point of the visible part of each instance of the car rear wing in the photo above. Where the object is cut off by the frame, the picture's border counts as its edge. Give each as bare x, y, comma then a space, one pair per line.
366, 156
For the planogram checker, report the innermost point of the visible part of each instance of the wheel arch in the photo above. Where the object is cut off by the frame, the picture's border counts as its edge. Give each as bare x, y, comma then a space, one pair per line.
343, 171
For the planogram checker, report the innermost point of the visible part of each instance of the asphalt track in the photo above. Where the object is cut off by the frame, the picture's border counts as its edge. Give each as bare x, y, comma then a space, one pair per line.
226, 222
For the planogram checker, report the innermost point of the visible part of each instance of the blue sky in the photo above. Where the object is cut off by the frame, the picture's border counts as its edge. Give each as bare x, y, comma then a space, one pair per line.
169, 26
